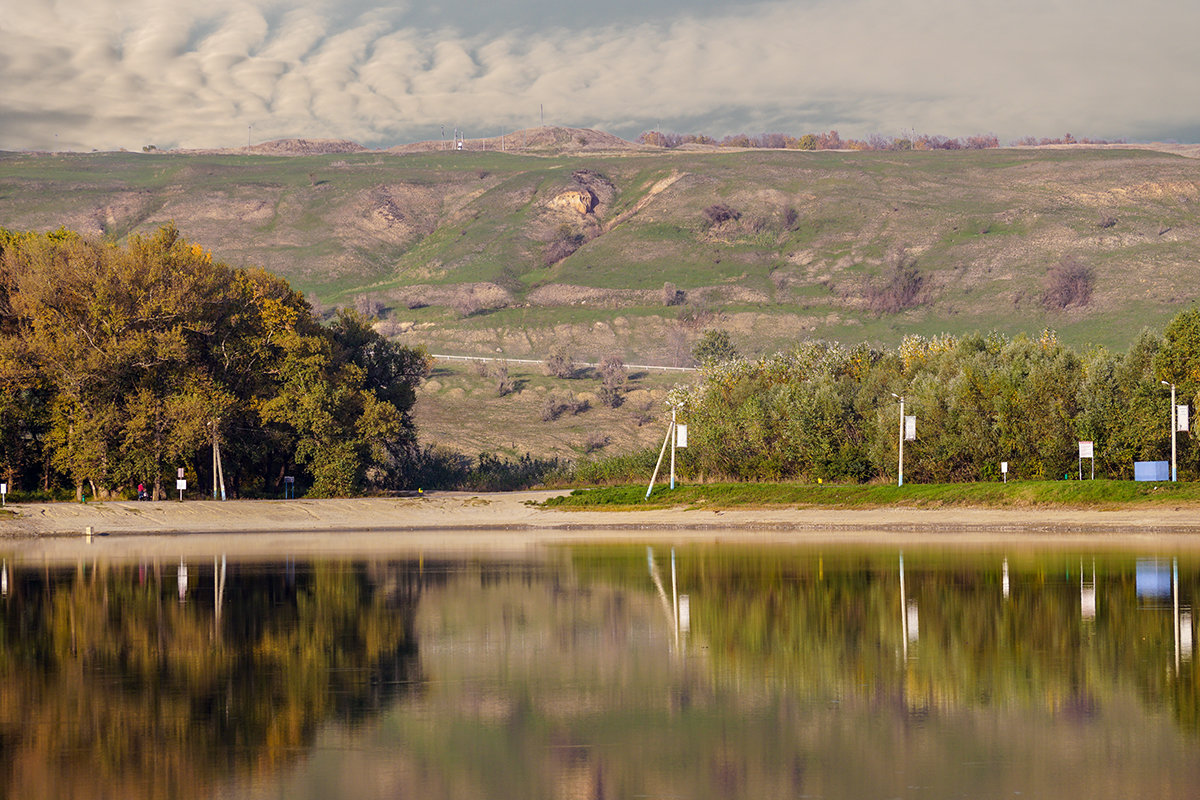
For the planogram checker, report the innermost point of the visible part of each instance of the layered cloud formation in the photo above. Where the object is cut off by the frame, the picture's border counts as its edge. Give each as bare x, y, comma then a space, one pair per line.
83, 74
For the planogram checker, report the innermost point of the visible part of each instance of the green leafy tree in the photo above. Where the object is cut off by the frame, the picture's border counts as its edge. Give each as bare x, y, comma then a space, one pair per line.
143, 356
715, 345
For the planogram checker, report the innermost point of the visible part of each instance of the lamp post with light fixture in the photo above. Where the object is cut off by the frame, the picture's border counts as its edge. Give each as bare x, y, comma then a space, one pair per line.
1173, 427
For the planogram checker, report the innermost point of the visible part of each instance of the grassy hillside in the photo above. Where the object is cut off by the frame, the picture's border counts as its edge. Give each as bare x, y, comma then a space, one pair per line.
488, 253
460, 408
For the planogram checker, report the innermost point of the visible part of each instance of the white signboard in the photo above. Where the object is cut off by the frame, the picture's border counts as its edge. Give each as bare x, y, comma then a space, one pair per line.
910, 428
1086, 450
1181, 418
1004, 467
3, 488
181, 485
681, 435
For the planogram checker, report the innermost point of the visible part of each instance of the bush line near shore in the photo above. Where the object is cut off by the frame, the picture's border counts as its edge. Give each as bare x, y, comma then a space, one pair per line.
1096, 494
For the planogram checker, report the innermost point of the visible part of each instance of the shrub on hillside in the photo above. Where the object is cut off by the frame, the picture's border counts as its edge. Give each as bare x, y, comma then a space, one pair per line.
672, 295
612, 380
559, 364
719, 212
504, 383
791, 218
558, 403
1068, 283
368, 306
465, 302
595, 441
900, 288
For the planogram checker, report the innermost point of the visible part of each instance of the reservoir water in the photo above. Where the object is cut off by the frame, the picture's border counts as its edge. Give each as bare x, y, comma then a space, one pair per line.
619, 671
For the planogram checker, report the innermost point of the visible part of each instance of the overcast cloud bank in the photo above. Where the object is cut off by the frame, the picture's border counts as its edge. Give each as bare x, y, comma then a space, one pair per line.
83, 74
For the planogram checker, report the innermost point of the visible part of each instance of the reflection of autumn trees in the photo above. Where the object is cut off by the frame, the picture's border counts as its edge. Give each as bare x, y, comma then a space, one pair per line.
110, 687
561, 680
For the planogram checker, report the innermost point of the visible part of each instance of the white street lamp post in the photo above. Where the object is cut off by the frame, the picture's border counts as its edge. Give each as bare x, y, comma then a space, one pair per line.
1174, 476
674, 443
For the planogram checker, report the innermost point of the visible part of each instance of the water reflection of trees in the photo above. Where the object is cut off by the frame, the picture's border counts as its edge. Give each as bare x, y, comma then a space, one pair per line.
110, 686
556, 681
831, 626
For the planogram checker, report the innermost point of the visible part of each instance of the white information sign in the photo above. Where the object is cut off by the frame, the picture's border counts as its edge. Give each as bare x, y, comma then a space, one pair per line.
1181, 418
681, 435
1086, 450
910, 428
1004, 467
181, 484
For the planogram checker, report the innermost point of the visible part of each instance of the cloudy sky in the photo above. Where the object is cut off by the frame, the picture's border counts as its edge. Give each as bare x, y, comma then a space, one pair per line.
104, 74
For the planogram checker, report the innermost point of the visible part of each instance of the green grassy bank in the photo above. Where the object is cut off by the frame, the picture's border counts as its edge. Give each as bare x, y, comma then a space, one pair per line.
1097, 494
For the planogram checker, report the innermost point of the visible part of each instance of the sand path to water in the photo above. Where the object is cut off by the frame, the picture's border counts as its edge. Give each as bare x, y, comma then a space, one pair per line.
462, 521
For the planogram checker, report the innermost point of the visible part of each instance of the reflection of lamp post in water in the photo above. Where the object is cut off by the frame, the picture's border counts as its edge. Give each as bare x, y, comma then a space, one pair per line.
909, 622
677, 607
218, 592
1087, 594
1183, 622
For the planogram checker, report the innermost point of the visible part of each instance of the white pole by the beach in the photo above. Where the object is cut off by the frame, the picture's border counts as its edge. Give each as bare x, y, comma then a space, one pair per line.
900, 480
1174, 425
661, 453
674, 443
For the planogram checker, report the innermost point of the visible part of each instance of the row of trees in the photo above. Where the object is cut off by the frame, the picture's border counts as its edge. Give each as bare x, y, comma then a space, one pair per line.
830, 140
828, 411
119, 365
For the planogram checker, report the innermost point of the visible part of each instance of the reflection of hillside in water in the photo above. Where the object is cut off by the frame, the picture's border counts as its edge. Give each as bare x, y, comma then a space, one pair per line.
799, 673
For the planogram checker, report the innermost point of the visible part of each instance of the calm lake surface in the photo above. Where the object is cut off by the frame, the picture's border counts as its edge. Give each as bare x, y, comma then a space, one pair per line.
604, 672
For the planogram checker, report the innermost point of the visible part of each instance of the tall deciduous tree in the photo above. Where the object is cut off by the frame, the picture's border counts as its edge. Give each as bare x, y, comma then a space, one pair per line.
150, 353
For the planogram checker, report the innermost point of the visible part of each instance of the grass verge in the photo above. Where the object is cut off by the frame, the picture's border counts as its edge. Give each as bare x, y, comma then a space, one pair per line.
1097, 494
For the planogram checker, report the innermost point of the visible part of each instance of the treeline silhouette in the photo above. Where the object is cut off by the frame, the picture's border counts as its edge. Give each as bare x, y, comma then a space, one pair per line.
831, 140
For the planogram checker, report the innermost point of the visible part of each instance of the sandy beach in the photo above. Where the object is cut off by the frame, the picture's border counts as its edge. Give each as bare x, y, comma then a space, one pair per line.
508, 522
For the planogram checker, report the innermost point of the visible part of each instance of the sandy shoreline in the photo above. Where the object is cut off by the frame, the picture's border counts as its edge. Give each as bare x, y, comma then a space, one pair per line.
505, 522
